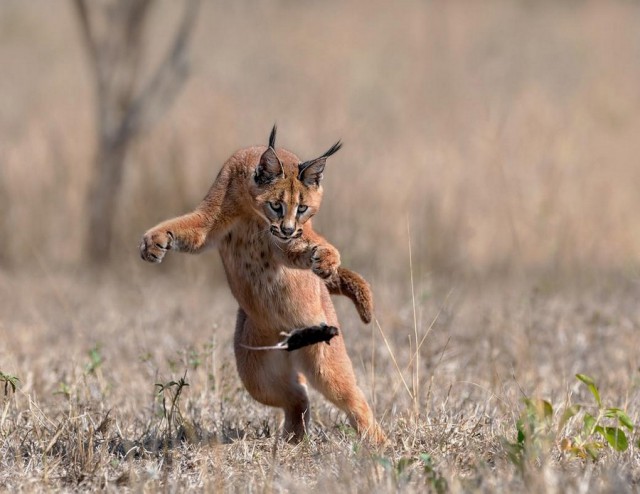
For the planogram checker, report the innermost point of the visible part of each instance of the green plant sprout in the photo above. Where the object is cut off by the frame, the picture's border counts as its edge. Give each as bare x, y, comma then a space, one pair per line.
534, 435
95, 359
602, 427
9, 381
173, 389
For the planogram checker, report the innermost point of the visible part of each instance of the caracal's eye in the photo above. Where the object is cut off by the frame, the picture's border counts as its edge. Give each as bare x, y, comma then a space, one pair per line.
276, 207
302, 209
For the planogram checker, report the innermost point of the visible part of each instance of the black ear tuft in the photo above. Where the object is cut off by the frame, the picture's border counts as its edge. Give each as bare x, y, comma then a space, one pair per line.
272, 137
310, 172
332, 150
269, 168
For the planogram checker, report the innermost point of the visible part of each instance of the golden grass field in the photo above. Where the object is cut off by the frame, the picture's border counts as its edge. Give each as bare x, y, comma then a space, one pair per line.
488, 190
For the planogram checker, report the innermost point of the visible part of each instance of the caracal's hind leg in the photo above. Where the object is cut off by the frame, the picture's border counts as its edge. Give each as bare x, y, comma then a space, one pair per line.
271, 379
329, 370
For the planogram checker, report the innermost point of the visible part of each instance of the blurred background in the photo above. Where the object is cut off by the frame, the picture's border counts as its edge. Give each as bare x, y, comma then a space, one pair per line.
491, 137
488, 189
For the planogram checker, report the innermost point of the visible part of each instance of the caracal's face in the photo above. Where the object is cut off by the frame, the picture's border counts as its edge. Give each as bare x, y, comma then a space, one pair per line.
284, 196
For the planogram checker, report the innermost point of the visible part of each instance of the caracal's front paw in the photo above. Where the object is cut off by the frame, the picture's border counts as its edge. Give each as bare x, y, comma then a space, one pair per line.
325, 261
155, 245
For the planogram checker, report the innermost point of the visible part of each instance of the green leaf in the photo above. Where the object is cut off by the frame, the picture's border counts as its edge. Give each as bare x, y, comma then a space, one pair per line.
586, 379
403, 463
592, 387
593, 449
426, 459
545, 407
616, 438
568, 413
589, 424
538, 408
623, 418
578, 451
9, 381
521, 431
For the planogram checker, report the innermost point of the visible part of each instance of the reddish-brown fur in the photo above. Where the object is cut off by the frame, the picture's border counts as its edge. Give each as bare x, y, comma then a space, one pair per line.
281, 272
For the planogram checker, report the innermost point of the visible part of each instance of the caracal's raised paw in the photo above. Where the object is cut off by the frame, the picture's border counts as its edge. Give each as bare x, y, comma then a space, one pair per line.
155, 244
325, 261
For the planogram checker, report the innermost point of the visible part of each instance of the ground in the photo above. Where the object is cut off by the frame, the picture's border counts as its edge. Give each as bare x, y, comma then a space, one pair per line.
90, 351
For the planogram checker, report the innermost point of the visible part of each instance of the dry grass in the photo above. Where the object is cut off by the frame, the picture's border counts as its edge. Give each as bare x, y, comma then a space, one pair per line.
502, 135
89, 354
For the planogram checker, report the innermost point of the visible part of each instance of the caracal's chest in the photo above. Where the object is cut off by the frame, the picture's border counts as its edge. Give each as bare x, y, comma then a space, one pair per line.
247, 253
265, 288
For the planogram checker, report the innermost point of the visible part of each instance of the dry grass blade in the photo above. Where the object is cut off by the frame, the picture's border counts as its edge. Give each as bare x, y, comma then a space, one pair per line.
393, 359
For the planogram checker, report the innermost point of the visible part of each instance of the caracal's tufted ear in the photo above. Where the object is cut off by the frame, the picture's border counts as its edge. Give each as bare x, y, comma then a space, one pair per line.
269, 168
310, 172
272, 137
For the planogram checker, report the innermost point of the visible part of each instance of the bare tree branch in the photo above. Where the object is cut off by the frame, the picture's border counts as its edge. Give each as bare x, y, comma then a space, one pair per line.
113, 34
87, 32
163, 86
